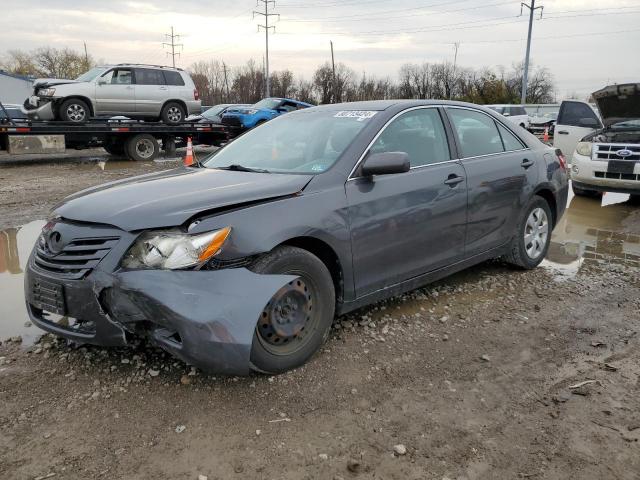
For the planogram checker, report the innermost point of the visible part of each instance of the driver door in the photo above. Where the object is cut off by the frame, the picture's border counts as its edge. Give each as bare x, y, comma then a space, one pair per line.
115, 93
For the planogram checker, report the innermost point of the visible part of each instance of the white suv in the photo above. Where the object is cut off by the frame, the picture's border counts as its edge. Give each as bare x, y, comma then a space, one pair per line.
515, 113
136, 91
604, 151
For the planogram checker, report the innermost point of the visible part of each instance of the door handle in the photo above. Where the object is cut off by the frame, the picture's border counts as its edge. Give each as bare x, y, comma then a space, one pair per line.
453, 180
163, 88
526, 163
563, 132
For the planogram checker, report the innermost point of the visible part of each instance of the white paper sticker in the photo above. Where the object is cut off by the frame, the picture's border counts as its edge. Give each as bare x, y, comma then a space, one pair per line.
360, 115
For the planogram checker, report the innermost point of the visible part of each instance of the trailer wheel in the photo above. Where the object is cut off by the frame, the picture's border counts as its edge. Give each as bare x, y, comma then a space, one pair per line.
142, 147
114, 147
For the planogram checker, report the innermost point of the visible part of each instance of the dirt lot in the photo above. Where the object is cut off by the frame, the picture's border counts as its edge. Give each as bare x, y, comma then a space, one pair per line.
491, 374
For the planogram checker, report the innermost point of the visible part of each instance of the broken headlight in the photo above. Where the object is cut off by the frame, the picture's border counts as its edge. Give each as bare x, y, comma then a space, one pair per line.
171, 250
46, 92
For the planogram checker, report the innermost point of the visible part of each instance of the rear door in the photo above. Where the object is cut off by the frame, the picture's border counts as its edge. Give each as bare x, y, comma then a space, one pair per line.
151, 91
575, 121
407, 224
178, 89
500, 175
115, 92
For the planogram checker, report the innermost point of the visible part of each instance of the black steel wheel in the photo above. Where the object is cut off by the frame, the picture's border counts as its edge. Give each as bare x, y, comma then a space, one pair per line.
296, 321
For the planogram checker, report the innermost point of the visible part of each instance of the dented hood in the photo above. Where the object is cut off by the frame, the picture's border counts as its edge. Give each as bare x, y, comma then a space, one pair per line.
50, 82
618, 103
172, 197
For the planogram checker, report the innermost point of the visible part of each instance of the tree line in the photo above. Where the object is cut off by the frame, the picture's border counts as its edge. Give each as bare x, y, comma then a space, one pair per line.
218, 83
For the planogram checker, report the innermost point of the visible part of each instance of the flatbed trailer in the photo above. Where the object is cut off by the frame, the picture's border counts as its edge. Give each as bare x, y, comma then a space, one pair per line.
137, 140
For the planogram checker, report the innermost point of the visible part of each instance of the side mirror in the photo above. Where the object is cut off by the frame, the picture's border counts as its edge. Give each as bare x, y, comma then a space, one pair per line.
386, 163
589, 122
506, 114
102, 81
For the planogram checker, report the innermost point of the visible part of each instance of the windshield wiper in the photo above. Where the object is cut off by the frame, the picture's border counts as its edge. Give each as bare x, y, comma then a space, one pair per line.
241, 168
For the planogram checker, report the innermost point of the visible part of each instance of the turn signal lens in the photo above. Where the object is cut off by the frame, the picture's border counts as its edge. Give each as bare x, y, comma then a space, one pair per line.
215, 245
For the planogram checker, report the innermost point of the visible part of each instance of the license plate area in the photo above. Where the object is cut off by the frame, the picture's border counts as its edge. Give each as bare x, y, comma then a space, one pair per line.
620, 166
48, 296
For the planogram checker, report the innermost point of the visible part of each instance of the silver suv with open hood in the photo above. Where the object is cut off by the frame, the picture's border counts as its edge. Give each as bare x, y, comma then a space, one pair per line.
604, 149
146, 92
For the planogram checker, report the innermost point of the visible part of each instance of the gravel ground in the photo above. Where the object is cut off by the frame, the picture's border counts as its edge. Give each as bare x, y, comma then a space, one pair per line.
490, 374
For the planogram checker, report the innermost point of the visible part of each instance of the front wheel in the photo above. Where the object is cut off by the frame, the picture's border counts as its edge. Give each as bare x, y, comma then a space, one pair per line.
74, 110
297, 319
532, 237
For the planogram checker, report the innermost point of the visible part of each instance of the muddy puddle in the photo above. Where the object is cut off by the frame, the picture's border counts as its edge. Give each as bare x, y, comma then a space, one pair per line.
590, 231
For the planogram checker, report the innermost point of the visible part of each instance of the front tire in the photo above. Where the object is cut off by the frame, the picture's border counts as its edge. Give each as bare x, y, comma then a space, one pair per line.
532, 237
297, 320
74, 110
173, 113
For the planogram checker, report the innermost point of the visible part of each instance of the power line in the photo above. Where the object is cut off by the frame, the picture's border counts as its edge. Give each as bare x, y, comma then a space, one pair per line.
173, 46
266, 28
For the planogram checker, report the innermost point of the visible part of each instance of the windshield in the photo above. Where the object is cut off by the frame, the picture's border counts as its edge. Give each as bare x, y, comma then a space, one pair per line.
627, 124
307, 142
91, 74
214, 111
268, 103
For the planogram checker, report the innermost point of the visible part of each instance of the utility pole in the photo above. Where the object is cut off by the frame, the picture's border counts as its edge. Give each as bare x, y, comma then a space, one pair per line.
173, 46
226, 82
333, 77
86, 55
525, 77
266, 28
456, 45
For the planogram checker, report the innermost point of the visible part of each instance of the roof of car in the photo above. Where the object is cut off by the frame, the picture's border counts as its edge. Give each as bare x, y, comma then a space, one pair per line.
379, 105
164, 67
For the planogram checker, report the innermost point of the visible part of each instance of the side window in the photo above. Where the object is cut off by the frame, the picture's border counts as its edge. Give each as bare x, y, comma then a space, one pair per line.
419, 133
288, 106
572, 112
118, 77
173, 78
477, 132
518, 111
147, 76
509, 140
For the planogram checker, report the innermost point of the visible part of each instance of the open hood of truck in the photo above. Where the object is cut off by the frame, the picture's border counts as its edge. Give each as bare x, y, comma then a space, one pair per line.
618, 103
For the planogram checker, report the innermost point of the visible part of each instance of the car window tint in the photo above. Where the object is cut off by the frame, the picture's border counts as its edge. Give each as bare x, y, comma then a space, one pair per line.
118, 77
477, 132
572, 112
147, 76
509, 140
418, 133
173, 78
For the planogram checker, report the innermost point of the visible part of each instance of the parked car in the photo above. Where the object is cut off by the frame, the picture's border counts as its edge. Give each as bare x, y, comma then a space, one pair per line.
515, 113
241, 264
542, 117
14, 112
605, 148
261, 112
214, 114
145, 92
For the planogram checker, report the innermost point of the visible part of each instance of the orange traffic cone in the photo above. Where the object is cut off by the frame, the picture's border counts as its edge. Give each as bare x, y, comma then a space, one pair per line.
188, 159
545, 137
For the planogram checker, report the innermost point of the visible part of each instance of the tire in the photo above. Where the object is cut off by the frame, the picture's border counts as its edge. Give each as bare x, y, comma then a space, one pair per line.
142, 147
173, 113
74, 110
114, 148
583, 192
308, 305
527, 254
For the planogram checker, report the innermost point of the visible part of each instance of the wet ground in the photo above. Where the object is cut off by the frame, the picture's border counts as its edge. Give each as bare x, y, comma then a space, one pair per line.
491, 374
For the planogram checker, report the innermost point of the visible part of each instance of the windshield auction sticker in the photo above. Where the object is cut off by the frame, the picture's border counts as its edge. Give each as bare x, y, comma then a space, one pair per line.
359, 115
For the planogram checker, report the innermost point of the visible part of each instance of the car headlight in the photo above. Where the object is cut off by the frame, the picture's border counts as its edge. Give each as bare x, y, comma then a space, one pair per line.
253, 111
171, 250
584, 148
46, 92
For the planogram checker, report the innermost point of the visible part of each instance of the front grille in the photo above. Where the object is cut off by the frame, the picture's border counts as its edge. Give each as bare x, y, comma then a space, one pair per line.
231, 121
608, 151
618, 176
77, 259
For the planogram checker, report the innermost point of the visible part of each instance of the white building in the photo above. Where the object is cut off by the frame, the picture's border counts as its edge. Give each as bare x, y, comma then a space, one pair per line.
14, 89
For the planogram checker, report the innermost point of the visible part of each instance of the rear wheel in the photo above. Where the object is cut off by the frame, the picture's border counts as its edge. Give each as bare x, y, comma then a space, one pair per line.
74, 110
531, 240
172, 113
114, 147
297, 319
142, 147
583, 192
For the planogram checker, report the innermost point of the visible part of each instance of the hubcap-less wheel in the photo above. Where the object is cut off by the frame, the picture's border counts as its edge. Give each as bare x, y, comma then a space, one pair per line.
536, 233
76, 112
286, 319
174, 114
145, 148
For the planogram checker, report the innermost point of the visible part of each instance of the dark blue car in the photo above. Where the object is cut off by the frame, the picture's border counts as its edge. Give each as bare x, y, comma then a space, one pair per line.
261, 112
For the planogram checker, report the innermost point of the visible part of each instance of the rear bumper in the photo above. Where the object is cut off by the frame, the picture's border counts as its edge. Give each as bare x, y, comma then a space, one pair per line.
205, 318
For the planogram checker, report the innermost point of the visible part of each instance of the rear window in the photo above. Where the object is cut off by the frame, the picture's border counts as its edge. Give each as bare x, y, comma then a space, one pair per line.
147, 76
518, 111
173, 78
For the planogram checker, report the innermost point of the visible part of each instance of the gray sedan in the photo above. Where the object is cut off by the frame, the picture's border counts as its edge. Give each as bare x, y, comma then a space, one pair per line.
240, 263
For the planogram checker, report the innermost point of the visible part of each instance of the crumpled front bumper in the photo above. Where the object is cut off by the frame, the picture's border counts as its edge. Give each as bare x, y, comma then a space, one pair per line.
43, 110
206, 318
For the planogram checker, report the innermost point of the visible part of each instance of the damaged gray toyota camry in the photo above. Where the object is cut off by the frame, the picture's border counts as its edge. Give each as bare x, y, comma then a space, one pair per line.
240, 263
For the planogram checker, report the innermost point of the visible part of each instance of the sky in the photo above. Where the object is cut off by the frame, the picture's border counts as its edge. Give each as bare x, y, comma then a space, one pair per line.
585, 44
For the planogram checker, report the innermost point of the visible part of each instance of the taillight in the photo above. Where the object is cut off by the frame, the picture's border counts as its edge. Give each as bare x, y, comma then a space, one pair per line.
196, 95
561, 159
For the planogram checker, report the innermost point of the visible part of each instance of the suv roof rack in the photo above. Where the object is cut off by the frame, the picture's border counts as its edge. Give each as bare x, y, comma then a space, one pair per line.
147, 65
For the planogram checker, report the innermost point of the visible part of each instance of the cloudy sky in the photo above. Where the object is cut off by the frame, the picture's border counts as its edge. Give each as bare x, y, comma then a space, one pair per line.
585, 43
